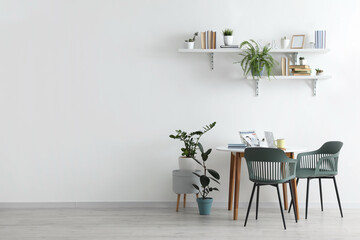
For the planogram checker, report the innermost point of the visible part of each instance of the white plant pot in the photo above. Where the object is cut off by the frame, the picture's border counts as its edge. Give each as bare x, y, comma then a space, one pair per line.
303, 62
187, 164
285, 43
228, 40
189, 45
319, 74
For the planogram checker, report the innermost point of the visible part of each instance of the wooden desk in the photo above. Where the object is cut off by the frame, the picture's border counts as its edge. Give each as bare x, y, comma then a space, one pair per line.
235, 169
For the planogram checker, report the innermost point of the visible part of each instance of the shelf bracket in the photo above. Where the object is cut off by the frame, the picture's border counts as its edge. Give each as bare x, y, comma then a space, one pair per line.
314, 86
212, 61
257, 87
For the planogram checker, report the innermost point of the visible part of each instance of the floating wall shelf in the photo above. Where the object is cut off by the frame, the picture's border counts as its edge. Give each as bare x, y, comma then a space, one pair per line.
293, 52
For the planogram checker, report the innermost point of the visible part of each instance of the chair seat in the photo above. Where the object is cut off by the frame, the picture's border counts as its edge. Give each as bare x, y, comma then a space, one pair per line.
310, 172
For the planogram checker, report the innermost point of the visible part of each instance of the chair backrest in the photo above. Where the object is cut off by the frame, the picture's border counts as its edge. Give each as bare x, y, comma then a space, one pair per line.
269, 165
312, 160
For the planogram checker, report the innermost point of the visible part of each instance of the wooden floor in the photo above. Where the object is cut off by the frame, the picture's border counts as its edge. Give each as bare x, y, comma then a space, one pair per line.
165, 223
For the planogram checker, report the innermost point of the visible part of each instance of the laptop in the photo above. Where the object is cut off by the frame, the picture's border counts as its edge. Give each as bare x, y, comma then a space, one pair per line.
269, 137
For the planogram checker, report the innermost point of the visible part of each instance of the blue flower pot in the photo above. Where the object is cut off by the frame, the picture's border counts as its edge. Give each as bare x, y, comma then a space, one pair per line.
204, 205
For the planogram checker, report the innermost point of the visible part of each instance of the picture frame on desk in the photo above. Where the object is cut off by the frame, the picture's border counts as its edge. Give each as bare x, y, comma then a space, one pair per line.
297, 41
250, 138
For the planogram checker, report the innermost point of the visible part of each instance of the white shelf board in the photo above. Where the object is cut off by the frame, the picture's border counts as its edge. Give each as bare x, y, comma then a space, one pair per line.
322, 77
238, 50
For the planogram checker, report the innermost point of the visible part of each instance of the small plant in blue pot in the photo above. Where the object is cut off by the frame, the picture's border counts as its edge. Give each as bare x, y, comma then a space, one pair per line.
210, 175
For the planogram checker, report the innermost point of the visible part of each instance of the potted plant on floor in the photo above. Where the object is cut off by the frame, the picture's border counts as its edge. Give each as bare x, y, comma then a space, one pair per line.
190, 140
228, 36
189, 43
204, 202
256, 59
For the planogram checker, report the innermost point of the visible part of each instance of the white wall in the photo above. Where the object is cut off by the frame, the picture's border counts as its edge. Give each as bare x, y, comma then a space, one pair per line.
90, 91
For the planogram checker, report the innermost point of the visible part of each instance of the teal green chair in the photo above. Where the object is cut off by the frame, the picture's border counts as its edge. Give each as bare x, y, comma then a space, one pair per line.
320, 164
269, 166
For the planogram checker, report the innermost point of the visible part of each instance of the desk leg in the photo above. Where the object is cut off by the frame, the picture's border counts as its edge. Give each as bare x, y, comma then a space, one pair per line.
237, 184
231, 181
295, 200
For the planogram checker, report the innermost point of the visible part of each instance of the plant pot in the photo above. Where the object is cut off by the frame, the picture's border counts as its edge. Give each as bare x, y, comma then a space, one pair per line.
319, 74
254, 73
183, 181
285, 43
303, 62
228, 40
187, 164
189, 45
204, 205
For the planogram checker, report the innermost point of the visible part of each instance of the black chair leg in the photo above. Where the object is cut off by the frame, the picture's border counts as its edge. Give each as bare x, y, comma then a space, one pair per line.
337, 195
292, 196
321, 198
307, 197
251, 198
257, 201
291, 202
281, 209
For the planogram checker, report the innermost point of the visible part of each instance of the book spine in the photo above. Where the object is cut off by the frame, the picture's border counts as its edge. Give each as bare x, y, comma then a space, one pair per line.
206, 39
202, 40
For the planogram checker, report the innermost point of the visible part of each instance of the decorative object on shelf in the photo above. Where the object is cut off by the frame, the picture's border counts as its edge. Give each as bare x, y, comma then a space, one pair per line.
320, 39
302, 61
228, 36
319, 72
205, 202
256, 60
208, 40
191, 140
280, 143
189, 44
300, 70
274, 45
285, 43
311, 45
297, 41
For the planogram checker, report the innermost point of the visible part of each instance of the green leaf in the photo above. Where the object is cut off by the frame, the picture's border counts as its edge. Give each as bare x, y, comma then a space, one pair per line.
196, 174
215, 189
196, 186
214, 180
204, 156
214, 173
204, 180
201, 148
208, 152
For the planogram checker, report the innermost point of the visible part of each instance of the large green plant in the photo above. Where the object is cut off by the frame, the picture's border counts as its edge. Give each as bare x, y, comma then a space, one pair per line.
256, 59
191, 140
205, 179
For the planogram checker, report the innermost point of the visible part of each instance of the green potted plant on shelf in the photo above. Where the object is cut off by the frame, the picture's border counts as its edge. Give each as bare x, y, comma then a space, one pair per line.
319, 71
256, 59
204, 202
190, 140
228, 36
189, 43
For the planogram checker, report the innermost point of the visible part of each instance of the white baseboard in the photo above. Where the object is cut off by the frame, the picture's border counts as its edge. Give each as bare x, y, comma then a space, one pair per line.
21, 205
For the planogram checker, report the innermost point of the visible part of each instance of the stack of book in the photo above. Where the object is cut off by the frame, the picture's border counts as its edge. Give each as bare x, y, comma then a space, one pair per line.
208, 40
285, 62
300, 70
320, 39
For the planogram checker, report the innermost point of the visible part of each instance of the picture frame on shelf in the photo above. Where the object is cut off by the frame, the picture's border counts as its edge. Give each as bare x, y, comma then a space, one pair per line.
297, 41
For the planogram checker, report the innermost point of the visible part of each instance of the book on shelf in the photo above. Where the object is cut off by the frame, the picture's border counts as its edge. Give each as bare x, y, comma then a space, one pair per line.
299, 66
229, 46
301, 74
305, 70
208, 40
285, 66
237, 145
